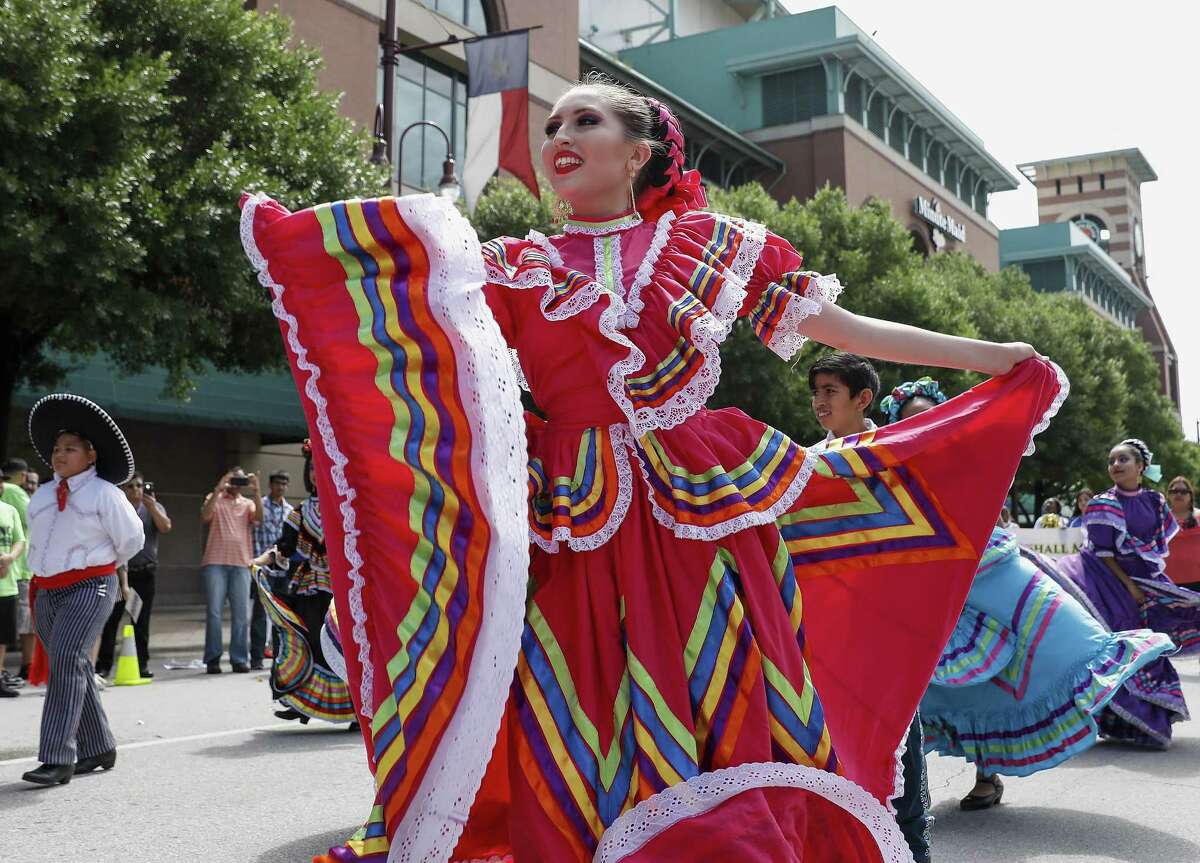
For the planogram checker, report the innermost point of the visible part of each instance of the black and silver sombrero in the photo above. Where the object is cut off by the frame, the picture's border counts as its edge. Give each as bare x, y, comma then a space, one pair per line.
64, 412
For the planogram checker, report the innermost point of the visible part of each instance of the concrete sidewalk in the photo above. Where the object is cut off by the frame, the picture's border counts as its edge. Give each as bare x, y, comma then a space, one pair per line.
176, 632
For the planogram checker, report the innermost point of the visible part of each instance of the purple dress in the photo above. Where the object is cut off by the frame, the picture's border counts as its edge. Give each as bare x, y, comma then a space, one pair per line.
1134, 528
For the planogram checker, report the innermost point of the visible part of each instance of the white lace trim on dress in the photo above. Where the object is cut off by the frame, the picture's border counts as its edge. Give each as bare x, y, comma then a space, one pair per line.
701, 794
515, 359
1064, 391
634, 304
708, 332
601, 229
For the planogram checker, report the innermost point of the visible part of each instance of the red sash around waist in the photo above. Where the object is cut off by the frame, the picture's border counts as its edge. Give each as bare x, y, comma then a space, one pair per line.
72, 576
66, 578
39, 671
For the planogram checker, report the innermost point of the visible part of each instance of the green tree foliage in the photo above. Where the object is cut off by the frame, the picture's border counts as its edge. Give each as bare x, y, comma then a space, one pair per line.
1114, 389
127, 130
507, 209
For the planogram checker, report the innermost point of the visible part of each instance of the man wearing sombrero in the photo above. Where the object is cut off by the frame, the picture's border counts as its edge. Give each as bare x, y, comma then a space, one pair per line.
81, 528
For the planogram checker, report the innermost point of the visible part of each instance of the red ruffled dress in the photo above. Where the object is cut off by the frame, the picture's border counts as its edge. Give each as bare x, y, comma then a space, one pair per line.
725, 635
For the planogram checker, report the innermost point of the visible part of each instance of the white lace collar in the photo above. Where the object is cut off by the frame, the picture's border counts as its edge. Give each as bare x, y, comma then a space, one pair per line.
598, 229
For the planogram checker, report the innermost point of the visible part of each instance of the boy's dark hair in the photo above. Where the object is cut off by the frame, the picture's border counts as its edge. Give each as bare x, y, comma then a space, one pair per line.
854, 371
14, 466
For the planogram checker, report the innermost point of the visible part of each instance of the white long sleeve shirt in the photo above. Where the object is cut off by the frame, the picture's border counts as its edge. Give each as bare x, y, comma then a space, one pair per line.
98, 526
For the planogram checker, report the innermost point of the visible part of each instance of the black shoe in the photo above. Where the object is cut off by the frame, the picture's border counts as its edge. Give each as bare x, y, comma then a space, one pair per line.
6, 690
256, 665
240, 668
24, 672
144, 673
289, 714
214, 667
103, 761
103, 672
51, 774
974, 802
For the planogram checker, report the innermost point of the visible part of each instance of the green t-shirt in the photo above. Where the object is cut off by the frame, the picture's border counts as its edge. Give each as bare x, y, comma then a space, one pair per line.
18, 499
11, 533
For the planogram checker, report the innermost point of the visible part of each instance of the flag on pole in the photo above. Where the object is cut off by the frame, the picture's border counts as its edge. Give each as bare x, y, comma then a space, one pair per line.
497, 112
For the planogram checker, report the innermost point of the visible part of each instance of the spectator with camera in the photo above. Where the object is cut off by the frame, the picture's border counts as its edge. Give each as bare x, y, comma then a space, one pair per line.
225, 567
141, 570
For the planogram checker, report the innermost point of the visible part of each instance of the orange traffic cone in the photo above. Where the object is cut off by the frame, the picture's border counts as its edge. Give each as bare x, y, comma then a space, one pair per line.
128, 673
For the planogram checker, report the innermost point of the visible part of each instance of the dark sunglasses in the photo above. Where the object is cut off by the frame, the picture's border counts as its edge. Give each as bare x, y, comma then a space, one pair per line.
1179, 490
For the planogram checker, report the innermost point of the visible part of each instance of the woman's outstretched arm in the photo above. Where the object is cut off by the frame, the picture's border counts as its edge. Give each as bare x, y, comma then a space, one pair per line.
900, 343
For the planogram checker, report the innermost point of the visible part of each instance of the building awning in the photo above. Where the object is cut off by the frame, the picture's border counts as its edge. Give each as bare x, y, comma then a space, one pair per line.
265, 403
861, 55
704, 132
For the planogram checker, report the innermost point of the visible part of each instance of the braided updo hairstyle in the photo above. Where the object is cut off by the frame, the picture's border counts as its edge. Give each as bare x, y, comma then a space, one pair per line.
646, 121
1139, 447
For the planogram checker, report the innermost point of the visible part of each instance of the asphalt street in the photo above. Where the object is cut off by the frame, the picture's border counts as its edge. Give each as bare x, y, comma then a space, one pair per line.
206, 773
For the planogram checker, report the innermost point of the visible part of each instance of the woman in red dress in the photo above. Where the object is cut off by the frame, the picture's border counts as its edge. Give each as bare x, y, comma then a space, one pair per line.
719, 638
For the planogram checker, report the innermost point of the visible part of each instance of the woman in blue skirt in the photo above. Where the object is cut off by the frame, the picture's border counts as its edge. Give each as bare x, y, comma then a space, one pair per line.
1027, 670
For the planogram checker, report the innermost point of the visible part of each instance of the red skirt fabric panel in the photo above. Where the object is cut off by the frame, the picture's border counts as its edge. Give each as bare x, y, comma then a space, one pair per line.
885, 540
396, 358
652, 662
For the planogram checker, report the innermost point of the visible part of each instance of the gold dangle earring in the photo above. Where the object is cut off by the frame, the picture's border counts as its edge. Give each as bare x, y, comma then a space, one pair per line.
632, 197
562, 211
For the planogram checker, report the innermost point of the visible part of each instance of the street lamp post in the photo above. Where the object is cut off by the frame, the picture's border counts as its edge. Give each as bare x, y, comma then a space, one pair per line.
448, 186
385, 124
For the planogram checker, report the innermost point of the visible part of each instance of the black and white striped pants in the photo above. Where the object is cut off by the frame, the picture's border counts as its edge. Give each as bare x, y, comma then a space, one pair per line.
69, 620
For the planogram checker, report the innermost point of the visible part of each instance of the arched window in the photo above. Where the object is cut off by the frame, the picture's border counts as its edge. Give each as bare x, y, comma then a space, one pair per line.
896, 132
916, 147
966, 187
950, 176
933, 166
854, 98
877, 115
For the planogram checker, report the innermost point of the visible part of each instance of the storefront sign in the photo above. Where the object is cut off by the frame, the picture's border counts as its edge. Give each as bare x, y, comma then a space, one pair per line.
1051, 541
930, 209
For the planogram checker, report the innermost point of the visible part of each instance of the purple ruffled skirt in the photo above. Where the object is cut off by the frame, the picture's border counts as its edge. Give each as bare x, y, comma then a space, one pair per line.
1151, 701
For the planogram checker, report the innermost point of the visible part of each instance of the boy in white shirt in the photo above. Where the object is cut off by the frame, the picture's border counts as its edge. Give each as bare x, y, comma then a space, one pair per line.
81, 528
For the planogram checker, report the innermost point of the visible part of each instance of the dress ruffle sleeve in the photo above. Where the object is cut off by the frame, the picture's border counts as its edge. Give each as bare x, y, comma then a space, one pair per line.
780, 296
